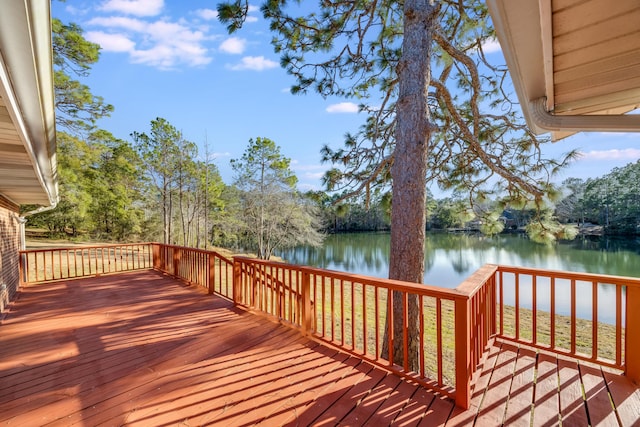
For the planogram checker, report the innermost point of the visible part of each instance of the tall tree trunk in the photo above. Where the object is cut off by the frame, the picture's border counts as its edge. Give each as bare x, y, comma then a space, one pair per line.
181, 204
198, 210
170, 218
165, 215
409, 172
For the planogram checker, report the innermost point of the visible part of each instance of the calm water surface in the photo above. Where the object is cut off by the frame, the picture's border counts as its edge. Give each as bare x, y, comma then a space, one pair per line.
450, 258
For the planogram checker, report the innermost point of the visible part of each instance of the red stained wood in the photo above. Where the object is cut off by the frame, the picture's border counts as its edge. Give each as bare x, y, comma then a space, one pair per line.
625, 397
572, 408
369, 410
521, 393
597, 397
414, 410
493, 405
143, 349
546, 399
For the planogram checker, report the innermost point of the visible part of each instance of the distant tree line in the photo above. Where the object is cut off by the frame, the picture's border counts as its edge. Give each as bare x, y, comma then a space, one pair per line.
611, 202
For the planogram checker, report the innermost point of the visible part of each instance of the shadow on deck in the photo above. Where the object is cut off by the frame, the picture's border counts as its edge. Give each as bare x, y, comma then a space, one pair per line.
144, 349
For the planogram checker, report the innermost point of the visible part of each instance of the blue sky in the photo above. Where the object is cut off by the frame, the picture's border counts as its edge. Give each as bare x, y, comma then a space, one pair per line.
173, 59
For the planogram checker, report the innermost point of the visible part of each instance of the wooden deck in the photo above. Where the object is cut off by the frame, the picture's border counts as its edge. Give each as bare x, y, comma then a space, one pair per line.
143, 349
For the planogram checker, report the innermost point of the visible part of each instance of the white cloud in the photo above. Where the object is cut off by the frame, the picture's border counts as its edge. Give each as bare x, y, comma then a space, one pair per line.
342, 107
491, 46
316, 175
250, 18
308, 167
304, 187
163, 44
255, 63
217, 154
111, 42
73, 10
629, 154
309, 171
132, 24
233, 45
133, 7
207, 14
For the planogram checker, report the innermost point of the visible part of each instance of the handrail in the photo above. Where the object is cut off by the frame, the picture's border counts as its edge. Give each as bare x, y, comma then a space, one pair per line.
530, 312
199, 267
44, 265
350, 311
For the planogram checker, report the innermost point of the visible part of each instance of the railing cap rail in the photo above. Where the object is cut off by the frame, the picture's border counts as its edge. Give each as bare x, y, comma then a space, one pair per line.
560, 274
203, 251
395, 285
81, 246
478, 278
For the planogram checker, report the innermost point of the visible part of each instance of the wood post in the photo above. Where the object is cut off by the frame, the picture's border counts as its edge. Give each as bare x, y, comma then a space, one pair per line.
306, 303
22, 269
463, 353
254, 301
156, 261
212, 273
237, 282
632, 332
176, 261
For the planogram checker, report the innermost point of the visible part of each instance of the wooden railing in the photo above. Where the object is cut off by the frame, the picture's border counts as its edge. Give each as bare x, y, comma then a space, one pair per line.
590, 317
199, 267
43, 265
351, 311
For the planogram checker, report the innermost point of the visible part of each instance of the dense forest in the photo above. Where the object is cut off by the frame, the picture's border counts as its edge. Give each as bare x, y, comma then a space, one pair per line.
116, 190
158, 186
609, 204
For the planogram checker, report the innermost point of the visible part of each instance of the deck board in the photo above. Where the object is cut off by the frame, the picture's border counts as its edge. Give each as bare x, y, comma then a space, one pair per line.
626, 398
572, 408
144, 349
546, 398
494, 404
599, 407
520, 402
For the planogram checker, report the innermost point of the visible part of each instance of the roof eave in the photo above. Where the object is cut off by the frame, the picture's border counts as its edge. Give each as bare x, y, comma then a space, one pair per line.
26, 70
523, 29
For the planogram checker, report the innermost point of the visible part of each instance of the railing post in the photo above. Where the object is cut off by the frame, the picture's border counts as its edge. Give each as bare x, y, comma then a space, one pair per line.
176, 261
632, 331
463, 353
237, 282
22, 269
306, 303
212, 273
155, 250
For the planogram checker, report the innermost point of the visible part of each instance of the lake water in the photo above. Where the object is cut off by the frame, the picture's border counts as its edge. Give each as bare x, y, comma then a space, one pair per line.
450, 258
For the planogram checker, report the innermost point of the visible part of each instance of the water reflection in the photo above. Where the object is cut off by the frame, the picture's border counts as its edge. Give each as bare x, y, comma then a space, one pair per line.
450, 258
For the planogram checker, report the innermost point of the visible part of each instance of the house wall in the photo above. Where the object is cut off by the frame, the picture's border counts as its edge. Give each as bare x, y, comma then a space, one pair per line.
9, 247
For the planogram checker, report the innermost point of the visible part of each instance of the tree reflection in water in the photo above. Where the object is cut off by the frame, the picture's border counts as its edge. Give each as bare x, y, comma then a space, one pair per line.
450, 258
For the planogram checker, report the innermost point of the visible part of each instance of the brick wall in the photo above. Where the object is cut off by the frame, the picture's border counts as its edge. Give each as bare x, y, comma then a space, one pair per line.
9, 246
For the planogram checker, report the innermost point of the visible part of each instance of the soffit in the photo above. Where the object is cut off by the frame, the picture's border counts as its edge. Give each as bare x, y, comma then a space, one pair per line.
582, 56
18, 179
27, 120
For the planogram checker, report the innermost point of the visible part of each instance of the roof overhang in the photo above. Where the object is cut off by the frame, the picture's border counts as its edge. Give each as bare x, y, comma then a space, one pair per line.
27, 118
575, 65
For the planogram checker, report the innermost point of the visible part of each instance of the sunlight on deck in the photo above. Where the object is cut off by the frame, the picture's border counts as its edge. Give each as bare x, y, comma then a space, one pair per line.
141, 348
